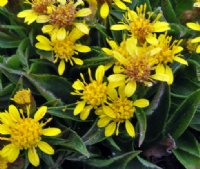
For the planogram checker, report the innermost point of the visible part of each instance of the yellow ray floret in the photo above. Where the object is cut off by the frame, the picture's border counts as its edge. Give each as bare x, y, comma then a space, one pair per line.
139, 25
3, 3
25, 133
64, 50
119, 110
93, 94
197, 4
196, 27
3, 162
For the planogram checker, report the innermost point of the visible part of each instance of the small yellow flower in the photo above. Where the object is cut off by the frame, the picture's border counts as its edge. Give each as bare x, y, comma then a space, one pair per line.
3, 162
119, 110
197, 4
191, 47
3, 2
22, 97
196, 27
136, 65
93, 94
64, 17
25, 133
139, 26
169, 51
38, 8
104, 5
64, 50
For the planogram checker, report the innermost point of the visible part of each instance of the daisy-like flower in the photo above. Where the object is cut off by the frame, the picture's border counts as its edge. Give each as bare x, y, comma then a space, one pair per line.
22, 97
119, 110
197, 4
64, 17
104, 5
3, 162
38, 8
93, 94
137, 66
169, 52
24, 132
3, 3
64, 50
196, 27
141, 26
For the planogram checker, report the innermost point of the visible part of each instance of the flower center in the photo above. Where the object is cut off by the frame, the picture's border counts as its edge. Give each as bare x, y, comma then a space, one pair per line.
3, 163
26, 133
64, 49
22, 97
123, 109
138, 69
95, 93
141, 28
63, 15
40, 6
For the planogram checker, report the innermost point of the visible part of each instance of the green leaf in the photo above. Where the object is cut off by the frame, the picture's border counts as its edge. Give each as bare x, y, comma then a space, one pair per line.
181, 118
118, 162
168, 11
159, 106
188, 143
7, 41
142, 121
186, 159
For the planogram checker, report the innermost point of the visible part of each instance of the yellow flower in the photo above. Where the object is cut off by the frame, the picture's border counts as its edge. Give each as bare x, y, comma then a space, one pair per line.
39, 8
191, 47
119, 110
196, 27
3, 3
135, 67
105, 5
93, 94
64, 50
139, 26
22, 97
3, 162
197, 4
25, 133
64, 16
168, 53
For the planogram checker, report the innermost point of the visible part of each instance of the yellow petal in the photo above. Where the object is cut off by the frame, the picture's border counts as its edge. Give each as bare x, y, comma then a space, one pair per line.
47, 28
10, 152
196, 4
120, 4
4, 129
82, 27
75, 34
109, 112
180, 60
61, 67
99, 75
61, 34
195, 40
112, 93
152, 39
119, 27
40, 113
82, 48
102, 122
131, 46
112, 44
161, 26
77, 61
120, 58
194, 26
141, 103
3, 2
83, 12
129, 128
198, 49
44, 43
160, 69
42, 19
170, 74
46, 148
104, 10
79, 107
13, 111
24, 13
110, 129
107, 51
78, 85
33, 157
51, 131
85, 113
130, 88
177, 49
